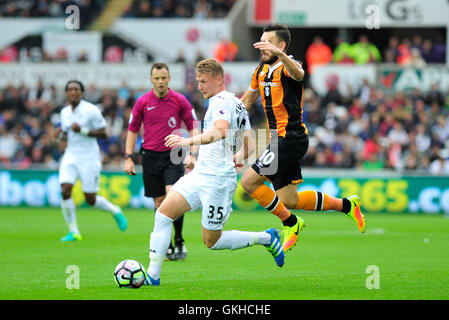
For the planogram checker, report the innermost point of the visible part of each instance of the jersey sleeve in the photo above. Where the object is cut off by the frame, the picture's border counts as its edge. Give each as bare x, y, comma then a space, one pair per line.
222, 112
97, 120
246, 125
188, 113
285, 69
254, 81
136, 116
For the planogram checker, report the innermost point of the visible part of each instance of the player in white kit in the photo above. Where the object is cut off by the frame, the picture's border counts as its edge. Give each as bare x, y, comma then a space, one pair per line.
212, 182
81, 124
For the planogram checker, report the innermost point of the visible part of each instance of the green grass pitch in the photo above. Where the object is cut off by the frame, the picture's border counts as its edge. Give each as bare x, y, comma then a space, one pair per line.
330, 261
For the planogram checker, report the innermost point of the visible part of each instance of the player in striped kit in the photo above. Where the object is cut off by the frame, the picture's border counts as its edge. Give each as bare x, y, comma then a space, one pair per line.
278, 80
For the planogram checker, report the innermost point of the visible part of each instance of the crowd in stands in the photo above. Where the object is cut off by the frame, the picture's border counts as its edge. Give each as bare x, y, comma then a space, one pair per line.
366, 129
50, 8
30, 116
372, 130
404, 52
201, 9
137, 9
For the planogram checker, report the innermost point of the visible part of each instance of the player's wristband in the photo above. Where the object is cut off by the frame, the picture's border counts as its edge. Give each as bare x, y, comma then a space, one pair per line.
84, 131
128, 156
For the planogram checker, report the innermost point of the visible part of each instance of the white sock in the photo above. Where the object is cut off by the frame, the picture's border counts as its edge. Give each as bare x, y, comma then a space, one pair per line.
159, 242
235, 239
68, 211
103, 204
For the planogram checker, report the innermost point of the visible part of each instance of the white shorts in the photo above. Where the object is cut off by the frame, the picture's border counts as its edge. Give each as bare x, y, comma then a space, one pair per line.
213, 193
86, 169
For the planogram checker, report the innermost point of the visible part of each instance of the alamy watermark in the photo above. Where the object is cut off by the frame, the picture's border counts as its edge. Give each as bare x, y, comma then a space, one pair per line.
373, 280
265, 154
372, 20
73, 280
72, 22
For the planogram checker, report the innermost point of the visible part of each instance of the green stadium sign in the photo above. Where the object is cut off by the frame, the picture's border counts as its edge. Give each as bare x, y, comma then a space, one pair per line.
405, 194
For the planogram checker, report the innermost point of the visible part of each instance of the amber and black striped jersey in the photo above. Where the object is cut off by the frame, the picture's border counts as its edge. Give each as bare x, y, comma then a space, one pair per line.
281, 98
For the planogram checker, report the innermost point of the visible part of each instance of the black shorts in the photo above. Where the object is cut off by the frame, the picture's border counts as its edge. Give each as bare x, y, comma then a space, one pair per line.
281, 160
158, 171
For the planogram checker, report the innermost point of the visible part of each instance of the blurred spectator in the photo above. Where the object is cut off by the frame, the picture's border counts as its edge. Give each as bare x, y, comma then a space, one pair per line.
144, 10
342, 52
8, 145
397, 134
428, 52
199, 56
439, 50
332, 94
201, 9
180, 58
9, 54
434, 95
89, 9
404, 52
422, 138
417, 43
440, 166
318, 53
440, 130
416, 60
364, 52
225, 50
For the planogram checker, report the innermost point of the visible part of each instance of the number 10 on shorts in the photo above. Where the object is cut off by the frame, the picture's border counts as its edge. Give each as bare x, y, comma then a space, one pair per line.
266, 162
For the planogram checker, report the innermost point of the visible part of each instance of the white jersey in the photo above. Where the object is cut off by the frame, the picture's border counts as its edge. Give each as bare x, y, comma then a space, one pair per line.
88, 116
217, 158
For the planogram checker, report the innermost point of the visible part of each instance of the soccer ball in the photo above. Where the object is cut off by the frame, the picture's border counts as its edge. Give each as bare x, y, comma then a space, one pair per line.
129, 274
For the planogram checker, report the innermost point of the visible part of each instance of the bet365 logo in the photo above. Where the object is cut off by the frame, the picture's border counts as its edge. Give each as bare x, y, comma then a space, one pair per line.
72, 22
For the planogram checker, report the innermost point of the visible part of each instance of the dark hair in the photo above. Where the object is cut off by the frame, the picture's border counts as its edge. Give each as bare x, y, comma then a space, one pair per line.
159, 66
74, 81
281, 32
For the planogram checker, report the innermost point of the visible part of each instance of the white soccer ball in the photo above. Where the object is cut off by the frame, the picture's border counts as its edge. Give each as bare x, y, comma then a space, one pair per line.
129, 274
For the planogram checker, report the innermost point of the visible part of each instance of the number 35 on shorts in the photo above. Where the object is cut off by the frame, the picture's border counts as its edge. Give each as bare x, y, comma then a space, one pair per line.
215, 217
215, 212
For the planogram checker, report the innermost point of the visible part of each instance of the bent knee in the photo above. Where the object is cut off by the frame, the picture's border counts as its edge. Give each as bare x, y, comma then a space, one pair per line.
248, 184
209, 243
289, 203
91, 201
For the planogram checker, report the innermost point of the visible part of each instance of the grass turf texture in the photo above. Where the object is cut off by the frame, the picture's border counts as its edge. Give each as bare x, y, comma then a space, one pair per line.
329, 261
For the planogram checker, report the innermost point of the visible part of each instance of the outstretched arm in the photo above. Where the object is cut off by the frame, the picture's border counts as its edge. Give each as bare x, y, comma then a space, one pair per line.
216, 133
293, 67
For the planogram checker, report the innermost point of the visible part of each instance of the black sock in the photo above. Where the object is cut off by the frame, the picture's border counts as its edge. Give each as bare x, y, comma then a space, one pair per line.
346, 206
290, 221
178, 229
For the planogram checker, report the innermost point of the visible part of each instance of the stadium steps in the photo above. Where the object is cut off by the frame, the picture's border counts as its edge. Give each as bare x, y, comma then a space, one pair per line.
111, 12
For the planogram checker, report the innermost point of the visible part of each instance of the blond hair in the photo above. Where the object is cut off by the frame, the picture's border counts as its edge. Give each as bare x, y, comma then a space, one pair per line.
210, 65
